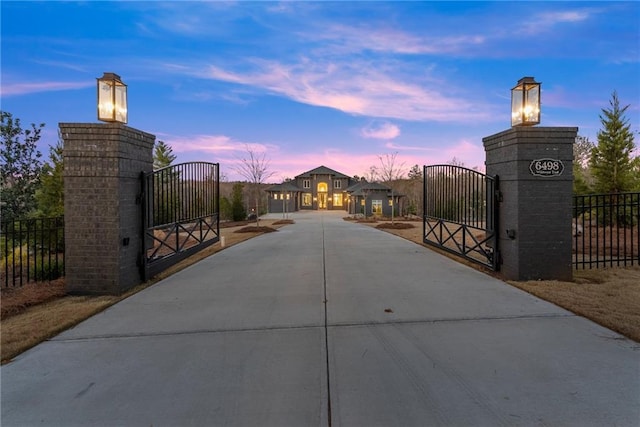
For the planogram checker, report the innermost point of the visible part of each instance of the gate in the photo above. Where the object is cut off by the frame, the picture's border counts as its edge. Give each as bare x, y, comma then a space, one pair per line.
180, 213
460, 213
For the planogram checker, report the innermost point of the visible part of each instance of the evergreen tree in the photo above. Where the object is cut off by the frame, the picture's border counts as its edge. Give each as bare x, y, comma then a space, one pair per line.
238, 212
162, 155
20, 167
612, 161
50, 195
415, 173
582, 177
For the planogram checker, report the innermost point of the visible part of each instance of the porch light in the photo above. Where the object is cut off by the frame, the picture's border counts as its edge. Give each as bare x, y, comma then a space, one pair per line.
112, 99
525, 103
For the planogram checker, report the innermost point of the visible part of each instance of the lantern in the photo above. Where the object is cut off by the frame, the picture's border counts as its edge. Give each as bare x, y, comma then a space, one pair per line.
525, 103
112, 99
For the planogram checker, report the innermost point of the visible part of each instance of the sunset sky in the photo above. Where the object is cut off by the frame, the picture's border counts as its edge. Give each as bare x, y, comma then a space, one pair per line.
320, 83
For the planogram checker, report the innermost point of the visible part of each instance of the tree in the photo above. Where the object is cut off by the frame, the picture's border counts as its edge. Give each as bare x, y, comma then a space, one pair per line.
415, 173
612, 161
162, 155
582, 177
390, 171
238, 212
20, 167
254, 167
50, 195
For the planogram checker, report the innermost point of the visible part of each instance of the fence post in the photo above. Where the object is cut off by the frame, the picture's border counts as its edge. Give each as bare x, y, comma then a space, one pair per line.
534, 165
103, 235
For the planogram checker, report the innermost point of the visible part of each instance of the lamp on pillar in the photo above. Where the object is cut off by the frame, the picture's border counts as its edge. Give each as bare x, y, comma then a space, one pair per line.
525, 103
112, 99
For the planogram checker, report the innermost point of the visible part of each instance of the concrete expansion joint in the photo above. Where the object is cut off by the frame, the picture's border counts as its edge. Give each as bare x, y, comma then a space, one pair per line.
455, 320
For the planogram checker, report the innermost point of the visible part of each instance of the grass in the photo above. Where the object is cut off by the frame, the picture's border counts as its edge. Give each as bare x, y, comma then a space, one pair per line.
36, 312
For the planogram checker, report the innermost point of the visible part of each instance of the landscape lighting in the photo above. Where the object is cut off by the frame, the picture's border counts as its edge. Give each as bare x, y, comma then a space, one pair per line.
525, 103
112, 99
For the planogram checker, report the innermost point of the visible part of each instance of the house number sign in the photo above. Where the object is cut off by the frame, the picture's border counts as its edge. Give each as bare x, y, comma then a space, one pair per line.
546, 167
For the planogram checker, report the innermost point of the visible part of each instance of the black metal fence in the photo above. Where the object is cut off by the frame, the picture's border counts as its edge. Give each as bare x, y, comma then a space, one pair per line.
460, 214
181, 207
606, 230
32, 250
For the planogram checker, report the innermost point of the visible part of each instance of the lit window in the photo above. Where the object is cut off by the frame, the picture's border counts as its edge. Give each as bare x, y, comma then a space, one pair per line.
322, 187
390, 202
288, 196
306, 183
337, 200
306, 199
376, 207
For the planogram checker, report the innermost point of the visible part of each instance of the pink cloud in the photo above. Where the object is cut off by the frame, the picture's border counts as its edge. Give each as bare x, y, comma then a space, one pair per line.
380, 130
14, 89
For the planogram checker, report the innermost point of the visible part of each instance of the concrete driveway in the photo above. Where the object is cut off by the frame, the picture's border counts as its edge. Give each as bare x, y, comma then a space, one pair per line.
324, 323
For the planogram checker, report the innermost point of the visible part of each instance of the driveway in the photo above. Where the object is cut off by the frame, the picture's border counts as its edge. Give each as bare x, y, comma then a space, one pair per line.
327, 322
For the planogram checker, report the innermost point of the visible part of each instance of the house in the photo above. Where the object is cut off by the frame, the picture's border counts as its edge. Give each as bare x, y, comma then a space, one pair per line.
323, 188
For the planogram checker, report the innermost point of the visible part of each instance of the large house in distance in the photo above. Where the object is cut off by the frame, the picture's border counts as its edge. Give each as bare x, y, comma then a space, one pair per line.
326, 189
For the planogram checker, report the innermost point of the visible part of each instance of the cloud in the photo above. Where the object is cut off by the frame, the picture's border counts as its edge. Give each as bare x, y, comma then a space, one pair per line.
391, 40
14, 89
545, 21
211, 143
354, 87
380, 130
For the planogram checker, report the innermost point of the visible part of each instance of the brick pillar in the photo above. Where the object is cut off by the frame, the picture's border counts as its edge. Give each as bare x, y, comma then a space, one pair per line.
103, 226
534, 165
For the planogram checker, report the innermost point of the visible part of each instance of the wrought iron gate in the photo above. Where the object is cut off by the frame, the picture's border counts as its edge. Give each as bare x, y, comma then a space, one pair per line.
460, 213
180, 213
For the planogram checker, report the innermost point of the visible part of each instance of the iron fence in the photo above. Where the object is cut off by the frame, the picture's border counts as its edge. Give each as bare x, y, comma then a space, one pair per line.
606, 231
32, 250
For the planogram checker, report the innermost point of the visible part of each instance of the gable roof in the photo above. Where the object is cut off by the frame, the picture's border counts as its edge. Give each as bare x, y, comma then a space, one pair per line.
321, 170
368, 187
284, 187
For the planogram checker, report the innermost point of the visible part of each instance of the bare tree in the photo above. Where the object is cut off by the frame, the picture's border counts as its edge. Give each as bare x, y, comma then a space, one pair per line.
371, 175
254, 167
390, 170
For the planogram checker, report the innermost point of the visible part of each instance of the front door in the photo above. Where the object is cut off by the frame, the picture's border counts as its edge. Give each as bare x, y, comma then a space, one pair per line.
322, 200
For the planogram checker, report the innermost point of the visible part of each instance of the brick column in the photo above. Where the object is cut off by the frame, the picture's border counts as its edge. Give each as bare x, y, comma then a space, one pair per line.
534, 165
103, 226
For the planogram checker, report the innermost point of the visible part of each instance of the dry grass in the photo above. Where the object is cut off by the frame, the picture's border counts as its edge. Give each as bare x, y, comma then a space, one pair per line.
609, 297
37, 312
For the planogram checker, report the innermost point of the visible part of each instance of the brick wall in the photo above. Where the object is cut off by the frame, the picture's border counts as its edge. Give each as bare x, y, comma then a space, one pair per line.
102, 166
536, 209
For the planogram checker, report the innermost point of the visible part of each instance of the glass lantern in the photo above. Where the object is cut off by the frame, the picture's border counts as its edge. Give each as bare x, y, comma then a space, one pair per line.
112, 99
525, 103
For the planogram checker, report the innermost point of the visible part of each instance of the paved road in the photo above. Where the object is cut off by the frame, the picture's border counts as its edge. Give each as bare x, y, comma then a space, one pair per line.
406, 338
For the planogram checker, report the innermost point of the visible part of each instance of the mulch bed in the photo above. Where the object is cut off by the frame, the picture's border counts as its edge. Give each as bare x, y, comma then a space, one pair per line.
255, 229
16, 300
395, 226
284, 222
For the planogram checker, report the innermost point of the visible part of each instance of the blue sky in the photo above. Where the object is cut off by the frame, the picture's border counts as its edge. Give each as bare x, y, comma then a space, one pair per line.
320, 83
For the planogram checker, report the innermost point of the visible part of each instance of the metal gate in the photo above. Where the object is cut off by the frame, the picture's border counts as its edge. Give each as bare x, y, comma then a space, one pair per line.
180, 213
460, 213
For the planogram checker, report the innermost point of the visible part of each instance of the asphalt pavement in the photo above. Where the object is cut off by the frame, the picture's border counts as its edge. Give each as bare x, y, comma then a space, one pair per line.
327, 323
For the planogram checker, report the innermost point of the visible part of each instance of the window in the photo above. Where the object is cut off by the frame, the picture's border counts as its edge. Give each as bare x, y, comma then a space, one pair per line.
322, 187
306, 199
306, 183
337, 184
376, 207
337, 200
